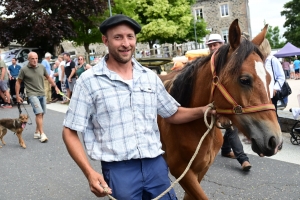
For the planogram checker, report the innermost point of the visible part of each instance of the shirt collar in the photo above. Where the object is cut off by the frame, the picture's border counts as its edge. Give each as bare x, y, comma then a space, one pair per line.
101, 68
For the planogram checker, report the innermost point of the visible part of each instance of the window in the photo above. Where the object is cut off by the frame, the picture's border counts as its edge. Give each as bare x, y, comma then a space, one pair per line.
224, 10
225, 35
198, 13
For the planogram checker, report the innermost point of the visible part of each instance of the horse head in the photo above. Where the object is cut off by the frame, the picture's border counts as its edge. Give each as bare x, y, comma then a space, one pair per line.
241, 90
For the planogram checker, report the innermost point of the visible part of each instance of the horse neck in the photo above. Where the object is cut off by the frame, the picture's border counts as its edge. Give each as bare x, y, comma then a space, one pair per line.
202, 86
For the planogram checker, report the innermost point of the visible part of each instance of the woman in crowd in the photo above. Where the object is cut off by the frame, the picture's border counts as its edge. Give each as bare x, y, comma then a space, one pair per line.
82, 66
292, 70
273, 66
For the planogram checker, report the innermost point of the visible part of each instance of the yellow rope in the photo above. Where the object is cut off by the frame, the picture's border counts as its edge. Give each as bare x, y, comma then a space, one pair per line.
209, 127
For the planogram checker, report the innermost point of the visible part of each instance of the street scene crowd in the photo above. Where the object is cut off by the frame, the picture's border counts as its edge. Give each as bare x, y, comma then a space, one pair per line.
115, 104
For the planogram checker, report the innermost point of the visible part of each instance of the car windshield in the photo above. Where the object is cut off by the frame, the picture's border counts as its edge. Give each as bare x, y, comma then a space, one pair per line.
8, 55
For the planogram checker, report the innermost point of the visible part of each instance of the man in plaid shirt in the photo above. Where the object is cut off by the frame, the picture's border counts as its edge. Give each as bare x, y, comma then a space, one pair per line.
115, 106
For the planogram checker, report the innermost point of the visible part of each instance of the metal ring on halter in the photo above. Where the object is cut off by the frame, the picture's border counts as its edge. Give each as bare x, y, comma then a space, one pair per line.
216, 80
238, 109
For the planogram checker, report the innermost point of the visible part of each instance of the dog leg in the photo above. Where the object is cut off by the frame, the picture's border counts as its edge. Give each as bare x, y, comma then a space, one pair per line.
3, 133
21, 141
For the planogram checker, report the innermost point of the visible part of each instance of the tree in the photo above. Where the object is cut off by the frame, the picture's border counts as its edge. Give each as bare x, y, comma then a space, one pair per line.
274, 38
163, 20
45, 23
292, 23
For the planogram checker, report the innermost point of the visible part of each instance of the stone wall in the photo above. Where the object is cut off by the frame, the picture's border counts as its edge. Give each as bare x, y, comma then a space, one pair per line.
238, 9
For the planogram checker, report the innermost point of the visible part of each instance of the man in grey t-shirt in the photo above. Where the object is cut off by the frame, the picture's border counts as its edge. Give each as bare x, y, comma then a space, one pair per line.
33, 76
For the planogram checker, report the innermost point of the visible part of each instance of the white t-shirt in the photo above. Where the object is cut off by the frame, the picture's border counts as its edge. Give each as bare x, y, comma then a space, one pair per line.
62, 63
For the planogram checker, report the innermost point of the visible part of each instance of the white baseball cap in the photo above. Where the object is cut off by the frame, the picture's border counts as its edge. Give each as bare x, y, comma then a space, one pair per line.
214, 38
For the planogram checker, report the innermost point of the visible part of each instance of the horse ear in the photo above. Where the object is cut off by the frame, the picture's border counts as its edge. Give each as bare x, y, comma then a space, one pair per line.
234, 34
261, 36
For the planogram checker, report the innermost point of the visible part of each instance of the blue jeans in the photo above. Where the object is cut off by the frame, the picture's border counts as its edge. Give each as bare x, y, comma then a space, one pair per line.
38, 104
232, 141
138, 179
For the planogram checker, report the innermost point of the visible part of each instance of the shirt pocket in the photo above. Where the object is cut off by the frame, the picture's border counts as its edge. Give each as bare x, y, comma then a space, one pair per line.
146, 101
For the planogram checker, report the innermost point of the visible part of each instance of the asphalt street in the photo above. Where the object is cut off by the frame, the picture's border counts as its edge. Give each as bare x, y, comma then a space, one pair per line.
45, 171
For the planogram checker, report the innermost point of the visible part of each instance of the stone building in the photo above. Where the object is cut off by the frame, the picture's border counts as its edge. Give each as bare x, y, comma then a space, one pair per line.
218, 14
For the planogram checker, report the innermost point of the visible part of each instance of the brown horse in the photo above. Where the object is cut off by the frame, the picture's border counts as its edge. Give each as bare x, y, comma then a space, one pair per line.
240, 91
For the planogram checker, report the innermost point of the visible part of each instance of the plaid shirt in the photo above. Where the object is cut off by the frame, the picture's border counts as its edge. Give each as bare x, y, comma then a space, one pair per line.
119, 122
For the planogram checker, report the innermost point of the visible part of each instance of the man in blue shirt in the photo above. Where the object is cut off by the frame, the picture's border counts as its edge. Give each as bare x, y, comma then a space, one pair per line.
14, 70
296, 67
46, 64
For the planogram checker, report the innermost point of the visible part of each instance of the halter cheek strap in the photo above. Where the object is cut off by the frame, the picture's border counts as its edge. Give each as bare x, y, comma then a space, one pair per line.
237, 109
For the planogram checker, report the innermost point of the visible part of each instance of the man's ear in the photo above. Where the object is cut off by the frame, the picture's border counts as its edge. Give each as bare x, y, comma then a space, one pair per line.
104, 40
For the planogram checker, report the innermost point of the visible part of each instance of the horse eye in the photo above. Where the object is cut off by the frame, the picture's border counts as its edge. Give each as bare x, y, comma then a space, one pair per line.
245, 81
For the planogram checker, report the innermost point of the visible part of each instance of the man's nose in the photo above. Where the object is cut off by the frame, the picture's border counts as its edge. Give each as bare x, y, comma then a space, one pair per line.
125, 42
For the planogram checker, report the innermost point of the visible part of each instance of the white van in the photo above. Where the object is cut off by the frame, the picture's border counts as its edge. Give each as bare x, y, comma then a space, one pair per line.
21, 54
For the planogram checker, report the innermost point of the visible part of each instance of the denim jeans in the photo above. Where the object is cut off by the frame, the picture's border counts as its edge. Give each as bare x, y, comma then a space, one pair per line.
232, 141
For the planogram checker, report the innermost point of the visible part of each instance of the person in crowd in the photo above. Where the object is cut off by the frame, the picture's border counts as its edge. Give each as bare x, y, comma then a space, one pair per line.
115, 106
33, 77
47, 85
57, 74
274, 68
70, 72
232, 146
286, 68
297, 67
14, 70
292, 70
82, 66
214, 42
4, 77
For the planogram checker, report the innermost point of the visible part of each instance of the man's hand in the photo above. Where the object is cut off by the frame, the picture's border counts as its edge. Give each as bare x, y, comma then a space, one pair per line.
210, 112
97, 185
57, 90
19, 99
70, 80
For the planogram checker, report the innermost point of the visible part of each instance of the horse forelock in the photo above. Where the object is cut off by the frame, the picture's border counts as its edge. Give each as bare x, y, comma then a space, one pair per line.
232, 62
183, 85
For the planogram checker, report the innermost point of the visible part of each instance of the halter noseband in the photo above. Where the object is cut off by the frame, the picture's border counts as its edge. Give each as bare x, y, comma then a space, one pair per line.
237, 109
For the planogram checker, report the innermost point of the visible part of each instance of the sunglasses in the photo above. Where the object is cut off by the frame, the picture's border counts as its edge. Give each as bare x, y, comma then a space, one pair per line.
80, 58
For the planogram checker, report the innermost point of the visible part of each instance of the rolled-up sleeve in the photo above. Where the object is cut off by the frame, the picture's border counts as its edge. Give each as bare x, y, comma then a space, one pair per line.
80, 108
166, 104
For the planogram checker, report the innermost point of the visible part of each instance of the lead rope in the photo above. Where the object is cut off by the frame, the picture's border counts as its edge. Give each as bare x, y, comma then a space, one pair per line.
209, 127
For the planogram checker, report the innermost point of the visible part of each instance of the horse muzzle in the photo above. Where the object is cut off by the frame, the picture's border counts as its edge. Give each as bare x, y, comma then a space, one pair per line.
269, 148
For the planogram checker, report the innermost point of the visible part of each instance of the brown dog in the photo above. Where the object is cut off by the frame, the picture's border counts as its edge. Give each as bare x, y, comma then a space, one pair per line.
15, 125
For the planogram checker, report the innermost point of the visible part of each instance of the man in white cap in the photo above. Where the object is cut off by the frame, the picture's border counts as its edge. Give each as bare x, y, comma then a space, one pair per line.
232, 146
47, 85
214, 42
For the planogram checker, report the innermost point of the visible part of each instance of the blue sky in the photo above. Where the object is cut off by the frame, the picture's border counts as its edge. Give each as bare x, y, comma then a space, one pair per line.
268, 10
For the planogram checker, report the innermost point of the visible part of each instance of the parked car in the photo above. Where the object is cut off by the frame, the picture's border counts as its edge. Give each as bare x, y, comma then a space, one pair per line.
21, 54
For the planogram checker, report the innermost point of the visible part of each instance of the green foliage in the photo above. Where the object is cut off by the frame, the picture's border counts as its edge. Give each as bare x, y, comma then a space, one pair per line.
46, 23
274, 37
292, 23
165, 21
200, 26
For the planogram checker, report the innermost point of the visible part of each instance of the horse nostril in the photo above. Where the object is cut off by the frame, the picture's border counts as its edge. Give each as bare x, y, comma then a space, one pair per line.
272, 142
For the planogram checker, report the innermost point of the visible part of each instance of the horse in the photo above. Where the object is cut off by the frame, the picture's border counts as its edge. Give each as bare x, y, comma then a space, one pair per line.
235, 79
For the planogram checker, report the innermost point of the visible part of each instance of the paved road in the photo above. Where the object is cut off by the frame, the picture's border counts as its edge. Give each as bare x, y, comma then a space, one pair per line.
46, 171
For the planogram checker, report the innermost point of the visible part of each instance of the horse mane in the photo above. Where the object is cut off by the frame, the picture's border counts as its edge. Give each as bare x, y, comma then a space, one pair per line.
183, 85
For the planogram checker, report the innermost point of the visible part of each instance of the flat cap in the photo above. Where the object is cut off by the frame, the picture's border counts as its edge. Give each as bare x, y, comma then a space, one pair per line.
118, 19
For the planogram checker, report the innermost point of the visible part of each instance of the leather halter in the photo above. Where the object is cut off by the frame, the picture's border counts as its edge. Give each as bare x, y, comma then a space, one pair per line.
237, 109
